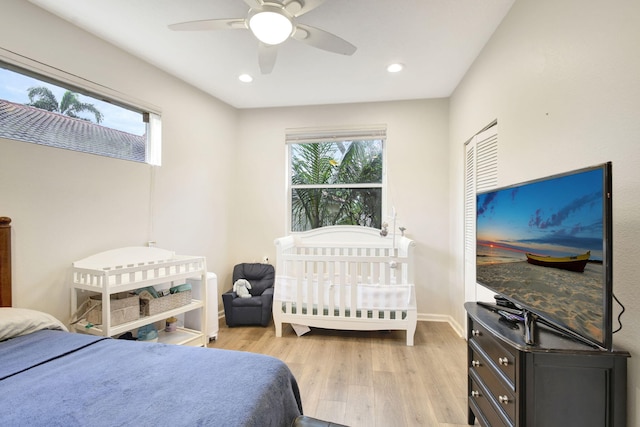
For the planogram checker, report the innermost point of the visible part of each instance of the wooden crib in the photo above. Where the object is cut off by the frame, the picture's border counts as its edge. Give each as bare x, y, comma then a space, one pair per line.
345, 277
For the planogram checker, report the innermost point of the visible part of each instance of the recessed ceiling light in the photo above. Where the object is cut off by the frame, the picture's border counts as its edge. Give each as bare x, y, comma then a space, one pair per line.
245, 78
394, 68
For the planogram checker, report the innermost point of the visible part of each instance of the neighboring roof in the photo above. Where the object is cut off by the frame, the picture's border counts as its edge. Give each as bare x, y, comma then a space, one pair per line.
29, 124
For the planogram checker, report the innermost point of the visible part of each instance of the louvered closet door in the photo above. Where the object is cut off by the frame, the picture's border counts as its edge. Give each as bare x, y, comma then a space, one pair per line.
481, 174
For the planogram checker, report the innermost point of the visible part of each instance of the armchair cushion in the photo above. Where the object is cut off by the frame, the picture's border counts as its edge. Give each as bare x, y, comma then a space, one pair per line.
261, 276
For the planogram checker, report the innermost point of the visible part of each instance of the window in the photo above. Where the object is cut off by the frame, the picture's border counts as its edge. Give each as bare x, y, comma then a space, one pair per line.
45, 110
336, 177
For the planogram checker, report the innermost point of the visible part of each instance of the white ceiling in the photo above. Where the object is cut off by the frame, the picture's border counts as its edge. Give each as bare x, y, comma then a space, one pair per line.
436, 40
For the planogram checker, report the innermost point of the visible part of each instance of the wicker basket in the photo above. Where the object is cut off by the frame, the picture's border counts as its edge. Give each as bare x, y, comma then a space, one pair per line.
125, 307
150, 307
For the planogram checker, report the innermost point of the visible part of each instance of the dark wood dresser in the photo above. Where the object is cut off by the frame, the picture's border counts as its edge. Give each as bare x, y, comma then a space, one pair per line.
556, 382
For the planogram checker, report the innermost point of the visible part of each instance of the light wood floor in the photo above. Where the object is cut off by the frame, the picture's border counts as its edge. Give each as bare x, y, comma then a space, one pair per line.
369, 378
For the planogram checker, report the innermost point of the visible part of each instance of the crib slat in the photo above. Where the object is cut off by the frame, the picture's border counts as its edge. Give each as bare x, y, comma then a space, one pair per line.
376, 268
353, 286
342, 266
309, 280
329, 285
387, 273
319, 289
299, 286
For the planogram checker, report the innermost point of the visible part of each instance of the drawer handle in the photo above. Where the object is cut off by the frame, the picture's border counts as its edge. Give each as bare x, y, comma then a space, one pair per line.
503, 361
503, 399
475, 393
475, 363
475, 332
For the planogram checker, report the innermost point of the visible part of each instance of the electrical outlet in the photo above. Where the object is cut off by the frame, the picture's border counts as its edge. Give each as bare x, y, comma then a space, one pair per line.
265, 260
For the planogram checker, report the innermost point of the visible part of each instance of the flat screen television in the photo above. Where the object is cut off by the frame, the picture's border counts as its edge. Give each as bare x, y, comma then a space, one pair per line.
546, 246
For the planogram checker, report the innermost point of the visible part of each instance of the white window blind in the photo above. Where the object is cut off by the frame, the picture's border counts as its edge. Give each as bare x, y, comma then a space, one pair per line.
309, 135
154, 140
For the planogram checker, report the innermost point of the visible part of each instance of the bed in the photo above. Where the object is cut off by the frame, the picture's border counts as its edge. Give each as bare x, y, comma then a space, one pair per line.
49, 376
345, 277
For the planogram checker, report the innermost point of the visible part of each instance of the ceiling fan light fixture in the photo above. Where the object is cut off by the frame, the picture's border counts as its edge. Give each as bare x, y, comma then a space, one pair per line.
271, 26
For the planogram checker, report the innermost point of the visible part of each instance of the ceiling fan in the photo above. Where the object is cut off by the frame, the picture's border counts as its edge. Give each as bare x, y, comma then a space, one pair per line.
272, 23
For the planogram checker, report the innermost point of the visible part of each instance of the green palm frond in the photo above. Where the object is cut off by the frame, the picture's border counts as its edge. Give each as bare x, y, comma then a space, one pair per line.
72, 107
70, 104
43, 98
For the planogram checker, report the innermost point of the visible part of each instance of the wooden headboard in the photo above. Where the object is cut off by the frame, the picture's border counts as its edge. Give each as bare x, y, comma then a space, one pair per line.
5, 261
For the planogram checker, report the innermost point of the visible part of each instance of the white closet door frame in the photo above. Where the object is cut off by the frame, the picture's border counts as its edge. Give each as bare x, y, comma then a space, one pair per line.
481, 174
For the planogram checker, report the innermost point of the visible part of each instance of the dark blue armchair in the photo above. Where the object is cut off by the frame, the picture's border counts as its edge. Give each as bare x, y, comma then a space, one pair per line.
257, 309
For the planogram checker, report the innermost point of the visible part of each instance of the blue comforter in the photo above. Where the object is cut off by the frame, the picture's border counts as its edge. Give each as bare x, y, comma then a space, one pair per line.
56, 378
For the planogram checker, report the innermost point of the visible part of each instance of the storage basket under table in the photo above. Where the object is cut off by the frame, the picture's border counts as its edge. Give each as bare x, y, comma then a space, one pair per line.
150, 307
125, 307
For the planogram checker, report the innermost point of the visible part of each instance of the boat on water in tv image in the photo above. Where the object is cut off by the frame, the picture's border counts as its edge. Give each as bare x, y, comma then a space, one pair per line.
571, 263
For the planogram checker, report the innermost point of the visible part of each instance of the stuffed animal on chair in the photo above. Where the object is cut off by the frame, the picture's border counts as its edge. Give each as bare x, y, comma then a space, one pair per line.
241, 287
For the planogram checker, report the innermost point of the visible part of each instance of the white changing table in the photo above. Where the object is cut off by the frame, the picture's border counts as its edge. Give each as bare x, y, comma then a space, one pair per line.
130, 268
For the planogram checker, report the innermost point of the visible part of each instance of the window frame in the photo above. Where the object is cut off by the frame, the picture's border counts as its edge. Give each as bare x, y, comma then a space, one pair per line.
295, 136
48, 74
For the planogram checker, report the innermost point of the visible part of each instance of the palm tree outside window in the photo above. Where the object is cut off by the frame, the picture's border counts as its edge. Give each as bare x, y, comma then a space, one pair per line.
336, 180
70, 105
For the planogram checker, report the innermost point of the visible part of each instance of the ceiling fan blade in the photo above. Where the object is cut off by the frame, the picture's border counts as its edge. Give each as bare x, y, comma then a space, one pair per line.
300, 7
267, 55
323, 40
210, 24
253, 4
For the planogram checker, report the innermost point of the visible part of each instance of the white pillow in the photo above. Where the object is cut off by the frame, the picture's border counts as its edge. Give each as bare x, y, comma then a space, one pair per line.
15, 322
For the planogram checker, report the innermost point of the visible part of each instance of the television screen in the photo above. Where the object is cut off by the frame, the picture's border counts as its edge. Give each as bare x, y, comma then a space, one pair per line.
546, 245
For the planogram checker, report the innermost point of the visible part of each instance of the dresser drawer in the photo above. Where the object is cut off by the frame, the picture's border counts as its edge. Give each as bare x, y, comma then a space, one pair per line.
485, 373
503, 359
479, 400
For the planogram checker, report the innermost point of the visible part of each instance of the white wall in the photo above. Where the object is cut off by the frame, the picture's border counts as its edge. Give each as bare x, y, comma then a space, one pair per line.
417, 153
562, 80
68, 205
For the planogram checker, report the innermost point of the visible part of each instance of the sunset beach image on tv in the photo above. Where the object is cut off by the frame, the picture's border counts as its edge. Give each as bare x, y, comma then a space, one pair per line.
542, 244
